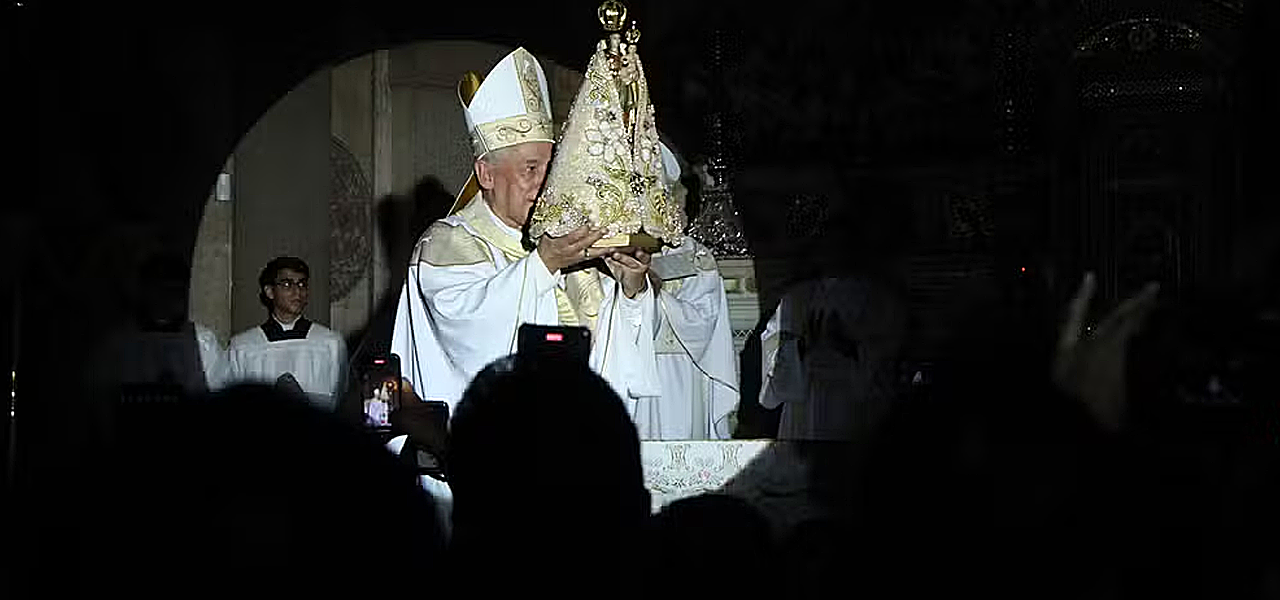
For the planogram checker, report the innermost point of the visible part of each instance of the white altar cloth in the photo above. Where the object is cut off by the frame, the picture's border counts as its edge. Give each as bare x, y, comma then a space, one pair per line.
680, 469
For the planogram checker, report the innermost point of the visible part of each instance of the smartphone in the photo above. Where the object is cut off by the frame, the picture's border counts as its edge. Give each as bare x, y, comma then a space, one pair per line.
427, 424
379, 378
572, 343
429, 463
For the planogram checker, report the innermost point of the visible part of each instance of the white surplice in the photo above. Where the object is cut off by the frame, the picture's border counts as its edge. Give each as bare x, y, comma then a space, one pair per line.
471, 285
318, 362
696, 360
212, 357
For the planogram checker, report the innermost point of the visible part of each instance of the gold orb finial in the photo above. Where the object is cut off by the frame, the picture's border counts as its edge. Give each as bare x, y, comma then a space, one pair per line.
612, 15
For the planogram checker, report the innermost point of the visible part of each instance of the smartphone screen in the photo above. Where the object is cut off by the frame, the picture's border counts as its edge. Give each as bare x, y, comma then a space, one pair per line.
573, 343
380, 389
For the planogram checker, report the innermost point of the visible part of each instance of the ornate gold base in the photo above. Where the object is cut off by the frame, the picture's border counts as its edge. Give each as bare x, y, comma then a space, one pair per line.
640, 240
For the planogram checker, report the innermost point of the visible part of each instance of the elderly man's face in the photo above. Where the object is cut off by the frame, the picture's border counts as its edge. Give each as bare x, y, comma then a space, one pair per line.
512, 178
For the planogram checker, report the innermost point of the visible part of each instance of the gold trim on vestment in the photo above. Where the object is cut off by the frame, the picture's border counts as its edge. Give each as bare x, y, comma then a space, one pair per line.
447, 245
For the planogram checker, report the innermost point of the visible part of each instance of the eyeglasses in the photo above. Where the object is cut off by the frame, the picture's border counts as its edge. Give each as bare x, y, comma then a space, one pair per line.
292, 283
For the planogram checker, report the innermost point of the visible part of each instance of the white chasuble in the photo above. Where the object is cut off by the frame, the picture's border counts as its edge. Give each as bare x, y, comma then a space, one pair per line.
471, 285
314, 355
696, 360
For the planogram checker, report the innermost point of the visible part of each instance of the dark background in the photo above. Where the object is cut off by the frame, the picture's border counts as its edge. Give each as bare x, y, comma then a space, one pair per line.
1014, 143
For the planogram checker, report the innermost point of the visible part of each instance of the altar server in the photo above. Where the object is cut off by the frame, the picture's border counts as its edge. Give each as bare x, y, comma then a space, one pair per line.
287, 342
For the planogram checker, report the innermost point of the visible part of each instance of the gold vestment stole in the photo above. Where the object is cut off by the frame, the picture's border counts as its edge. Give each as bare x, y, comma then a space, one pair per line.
577, 304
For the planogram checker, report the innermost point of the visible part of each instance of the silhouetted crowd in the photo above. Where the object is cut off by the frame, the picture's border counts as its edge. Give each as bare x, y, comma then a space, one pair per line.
1053, 456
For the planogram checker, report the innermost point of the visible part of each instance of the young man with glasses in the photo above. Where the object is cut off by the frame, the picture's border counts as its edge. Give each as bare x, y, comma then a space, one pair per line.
287, 343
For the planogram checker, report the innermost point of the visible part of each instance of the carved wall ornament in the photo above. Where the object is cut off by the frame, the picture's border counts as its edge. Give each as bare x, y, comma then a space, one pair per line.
350, 211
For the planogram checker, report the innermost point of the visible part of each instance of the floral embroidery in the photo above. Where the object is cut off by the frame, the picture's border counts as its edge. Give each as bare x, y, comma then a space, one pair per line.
608, 170
675, 470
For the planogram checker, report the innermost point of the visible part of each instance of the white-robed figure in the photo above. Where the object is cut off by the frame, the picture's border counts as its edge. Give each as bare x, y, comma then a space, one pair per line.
287, 343
829, 357
694, 341
472, 282
161, 345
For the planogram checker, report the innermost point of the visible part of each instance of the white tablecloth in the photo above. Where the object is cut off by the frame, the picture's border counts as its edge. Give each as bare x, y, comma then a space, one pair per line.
675, 469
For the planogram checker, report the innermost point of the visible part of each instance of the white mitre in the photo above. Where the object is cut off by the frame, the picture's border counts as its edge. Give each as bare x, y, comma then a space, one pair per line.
510, 106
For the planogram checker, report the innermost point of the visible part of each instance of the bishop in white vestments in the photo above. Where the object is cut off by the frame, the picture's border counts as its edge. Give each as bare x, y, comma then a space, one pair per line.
471, 282
287, 342
694, 342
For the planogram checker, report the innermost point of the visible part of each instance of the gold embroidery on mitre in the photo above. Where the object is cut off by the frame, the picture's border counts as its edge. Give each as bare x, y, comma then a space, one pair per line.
531, 86
535, 125
494, 135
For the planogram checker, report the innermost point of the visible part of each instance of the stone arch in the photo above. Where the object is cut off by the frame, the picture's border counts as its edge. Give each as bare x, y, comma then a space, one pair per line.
1151, 163
429, 143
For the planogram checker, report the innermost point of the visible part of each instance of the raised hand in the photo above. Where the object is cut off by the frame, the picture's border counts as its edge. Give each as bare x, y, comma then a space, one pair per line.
571, 248
1089, 363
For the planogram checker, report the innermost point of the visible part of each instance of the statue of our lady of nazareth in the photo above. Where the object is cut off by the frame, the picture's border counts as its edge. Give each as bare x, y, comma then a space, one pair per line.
608, 171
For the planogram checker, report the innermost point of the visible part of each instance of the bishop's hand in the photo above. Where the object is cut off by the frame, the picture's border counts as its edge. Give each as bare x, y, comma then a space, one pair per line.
632, 270
570, 249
